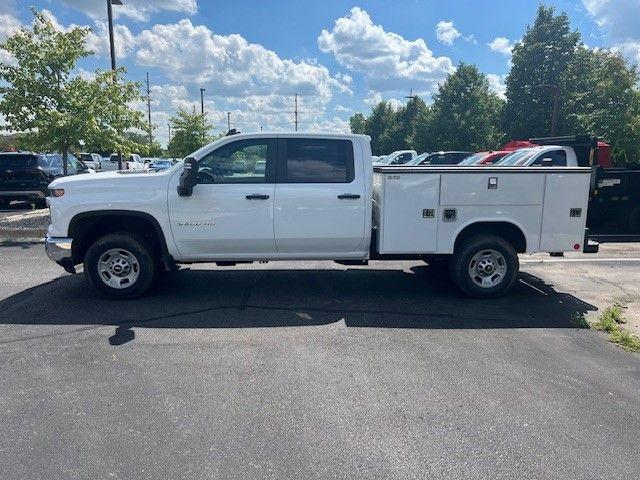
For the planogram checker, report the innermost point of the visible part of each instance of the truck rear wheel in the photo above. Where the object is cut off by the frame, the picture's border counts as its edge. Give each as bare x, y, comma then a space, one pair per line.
120, 265
485, 266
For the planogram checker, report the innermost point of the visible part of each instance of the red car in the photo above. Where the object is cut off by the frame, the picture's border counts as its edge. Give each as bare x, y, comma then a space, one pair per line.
484, 158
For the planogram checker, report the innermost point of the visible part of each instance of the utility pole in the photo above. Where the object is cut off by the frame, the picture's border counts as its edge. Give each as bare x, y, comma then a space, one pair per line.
202, 111
149, 112
169, 125
411, 96
113, 62
295, 112
228, 122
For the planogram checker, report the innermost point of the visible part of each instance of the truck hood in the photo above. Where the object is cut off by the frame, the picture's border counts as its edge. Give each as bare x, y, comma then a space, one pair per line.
114, 179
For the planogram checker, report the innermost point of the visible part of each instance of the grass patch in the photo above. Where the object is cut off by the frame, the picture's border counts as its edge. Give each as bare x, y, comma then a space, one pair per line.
578, 320
609, 321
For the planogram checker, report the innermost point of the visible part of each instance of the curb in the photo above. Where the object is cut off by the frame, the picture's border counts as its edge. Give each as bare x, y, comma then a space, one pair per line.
8, 234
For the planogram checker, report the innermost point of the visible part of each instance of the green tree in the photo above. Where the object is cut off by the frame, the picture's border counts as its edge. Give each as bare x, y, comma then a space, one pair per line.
602, 98
57, 110
191, 131
539, 61
405, 123
378, 126
465, 114
357, 122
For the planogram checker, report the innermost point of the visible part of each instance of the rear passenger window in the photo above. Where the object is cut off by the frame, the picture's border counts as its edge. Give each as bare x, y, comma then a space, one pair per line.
318, 161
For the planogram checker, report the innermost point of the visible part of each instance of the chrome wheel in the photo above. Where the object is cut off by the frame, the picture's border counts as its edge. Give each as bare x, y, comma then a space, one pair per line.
488, 268
118, 268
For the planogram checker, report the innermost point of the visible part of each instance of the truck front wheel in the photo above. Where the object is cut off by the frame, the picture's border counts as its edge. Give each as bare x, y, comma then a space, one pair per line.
120, 265
485, 266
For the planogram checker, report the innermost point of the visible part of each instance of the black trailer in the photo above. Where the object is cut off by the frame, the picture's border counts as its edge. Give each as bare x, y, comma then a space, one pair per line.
614, 207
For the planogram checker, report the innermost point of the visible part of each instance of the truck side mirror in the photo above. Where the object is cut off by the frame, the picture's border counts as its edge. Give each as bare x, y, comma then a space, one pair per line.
189, 177
547, 162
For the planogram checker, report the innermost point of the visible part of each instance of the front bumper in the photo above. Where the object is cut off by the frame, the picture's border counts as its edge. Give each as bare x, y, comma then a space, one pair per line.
59, 250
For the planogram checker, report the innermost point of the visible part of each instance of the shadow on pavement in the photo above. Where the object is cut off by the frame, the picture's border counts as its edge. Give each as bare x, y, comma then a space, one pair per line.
421, 297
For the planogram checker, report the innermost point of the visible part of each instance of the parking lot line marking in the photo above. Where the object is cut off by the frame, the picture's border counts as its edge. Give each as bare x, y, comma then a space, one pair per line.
579, 260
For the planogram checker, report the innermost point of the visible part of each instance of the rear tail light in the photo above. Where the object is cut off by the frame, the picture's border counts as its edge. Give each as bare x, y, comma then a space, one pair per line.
56, 192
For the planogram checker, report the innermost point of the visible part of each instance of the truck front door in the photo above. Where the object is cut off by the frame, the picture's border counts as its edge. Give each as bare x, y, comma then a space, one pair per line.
320, 200
230, 213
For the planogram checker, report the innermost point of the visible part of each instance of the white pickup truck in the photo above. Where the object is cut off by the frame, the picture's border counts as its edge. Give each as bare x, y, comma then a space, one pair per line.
262, 197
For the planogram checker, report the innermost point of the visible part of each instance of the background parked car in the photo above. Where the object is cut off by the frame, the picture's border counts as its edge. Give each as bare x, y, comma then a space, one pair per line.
483, 158
552, 155
25, 176
399, 157
130, 162
445, 158
91, 160
160, 164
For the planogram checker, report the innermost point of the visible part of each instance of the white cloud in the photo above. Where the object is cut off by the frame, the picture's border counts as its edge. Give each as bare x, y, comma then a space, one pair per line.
9, 25
619, 20
388, 61
341, 108
373, 98
497, 84
228, 64
139, 10
446, 32
501, 45
630, 50
123, 40
333, 125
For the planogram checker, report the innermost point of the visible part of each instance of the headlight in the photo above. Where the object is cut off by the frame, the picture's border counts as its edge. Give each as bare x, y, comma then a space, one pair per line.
56, 192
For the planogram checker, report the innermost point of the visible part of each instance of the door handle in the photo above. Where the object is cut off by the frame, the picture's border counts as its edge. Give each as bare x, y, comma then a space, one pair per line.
349, 196
257, 196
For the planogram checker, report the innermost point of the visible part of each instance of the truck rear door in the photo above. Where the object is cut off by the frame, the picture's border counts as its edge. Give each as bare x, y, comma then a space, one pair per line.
320, 199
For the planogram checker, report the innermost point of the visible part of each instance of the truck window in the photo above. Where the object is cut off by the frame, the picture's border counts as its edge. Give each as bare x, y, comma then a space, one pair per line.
559, 158
244, 161
310, 160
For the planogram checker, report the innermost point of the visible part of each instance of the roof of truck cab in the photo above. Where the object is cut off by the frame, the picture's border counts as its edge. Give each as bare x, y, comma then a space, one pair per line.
295, 134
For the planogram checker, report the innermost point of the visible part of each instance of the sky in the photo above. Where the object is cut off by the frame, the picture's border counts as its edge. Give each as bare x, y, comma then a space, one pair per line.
340, 57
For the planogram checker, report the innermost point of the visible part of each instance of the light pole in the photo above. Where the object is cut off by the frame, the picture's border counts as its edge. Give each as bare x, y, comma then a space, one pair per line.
202, 101
113, 53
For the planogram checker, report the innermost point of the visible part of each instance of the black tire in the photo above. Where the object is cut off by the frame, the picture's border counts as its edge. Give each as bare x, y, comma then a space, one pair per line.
39, 204
465, 253
634, 221
142, 253
4, 203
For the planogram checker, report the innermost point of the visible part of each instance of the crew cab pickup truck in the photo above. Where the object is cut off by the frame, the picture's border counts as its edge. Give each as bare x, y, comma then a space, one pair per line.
317, 198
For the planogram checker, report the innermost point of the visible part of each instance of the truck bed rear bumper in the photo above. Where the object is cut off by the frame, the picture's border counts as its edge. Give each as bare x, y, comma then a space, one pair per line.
589, 245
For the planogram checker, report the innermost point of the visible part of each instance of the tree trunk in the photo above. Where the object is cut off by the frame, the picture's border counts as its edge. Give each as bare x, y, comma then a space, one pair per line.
65, 156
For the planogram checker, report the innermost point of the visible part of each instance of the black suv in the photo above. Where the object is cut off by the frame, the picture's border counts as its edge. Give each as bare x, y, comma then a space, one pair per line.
26, 175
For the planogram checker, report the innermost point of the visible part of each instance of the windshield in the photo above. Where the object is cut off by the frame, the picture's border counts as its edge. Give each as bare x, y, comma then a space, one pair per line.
473, 158
519, 157
418, 159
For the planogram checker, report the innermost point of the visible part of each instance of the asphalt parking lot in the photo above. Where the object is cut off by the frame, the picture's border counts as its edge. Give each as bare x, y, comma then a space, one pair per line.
315, 370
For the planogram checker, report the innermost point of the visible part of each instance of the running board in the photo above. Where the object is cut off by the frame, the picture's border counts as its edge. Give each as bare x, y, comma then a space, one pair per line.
352, 262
